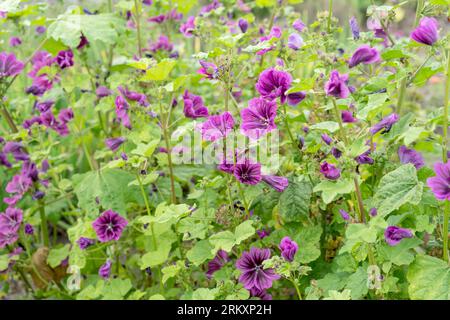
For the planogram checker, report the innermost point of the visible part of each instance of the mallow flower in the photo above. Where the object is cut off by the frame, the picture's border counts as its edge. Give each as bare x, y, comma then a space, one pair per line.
64, 59
217, 263
193, 106
330, 171
336, 86
288, 248
440, 184
364, 54
385, 124
354, 27
105, 270
188, 28
298, 25
427, 31
217, 127
273, 83
393, 235
295, 41
410, 156
9, 65
122, 107
114, 143
276, 182
109, 226
247, 172
258, 118
243, 25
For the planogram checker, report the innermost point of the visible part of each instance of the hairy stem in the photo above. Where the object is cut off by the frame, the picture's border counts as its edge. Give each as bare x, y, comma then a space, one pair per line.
418, 12
138, 27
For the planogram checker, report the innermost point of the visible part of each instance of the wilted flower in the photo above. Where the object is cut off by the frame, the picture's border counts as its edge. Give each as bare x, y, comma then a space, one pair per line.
114, 143
163, 44
102, 92
298, 25
336, 86
243, 25
273, 83
259, 118
393, 235
29, 229
109, 226
210, 7
14, 42
326, 138
295, 41
253, 274
9, 65
122, 107
288, 248
330, 171
17, 150
217, 127
364, 54
295, 98
410, 156
217, 263
140, 98
427, 31
105, 270
263, 233
440, 184
276, 182
64, 59
193, 106
188, 28
247, 172
385, 124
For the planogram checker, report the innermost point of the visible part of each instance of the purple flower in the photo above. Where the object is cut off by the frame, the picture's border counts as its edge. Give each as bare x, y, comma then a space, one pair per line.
217, 127
11, 219
253, 274
263, 233
410, 156
364, 158
336, 152
427, 31
40, 29
243, 25
208, 69
295, 98
344, 214
440, 184
210, 7
385, 124
298, 25
65, 115
364, 54
122, 107
188, 28
134, 96
17, 150
105, 270
326, 138
7, 237
64, 59
83, 42
373, 212
247, 172
103, 91
44, 106
273, 83
288, 248
29, 229
114, 143
354, 27
158, 19
276, 182
295, 41
347, 117
109, 226
393, 235
259, 118
274, 33
85, 243
9, 65
262, 294
147, 2
14, 42
193, 106
336, 86
163, 44
217, 263
330, 171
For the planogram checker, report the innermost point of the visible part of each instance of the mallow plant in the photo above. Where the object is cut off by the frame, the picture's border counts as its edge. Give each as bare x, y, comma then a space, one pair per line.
224, 150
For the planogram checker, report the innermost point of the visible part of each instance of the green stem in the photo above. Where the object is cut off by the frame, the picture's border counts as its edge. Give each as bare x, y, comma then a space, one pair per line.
418, 12
44, 227
401, 94
9, 120
445, 158
299, 294
164, 125
25, 279
242, 194
330, 15
138, 27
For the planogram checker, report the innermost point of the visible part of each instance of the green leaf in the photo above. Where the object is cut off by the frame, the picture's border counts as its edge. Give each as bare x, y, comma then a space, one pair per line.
146, 149
109, 186
184, 6
68, 28
357, 284
159, 72
397, 188
116, 289
224, 240
200, 252
244, 231
9, 5
400, 254
266, 3
308, 240
4, 262
429, 279
374, 103
303, 85
295, 200
204, 294
172, 270
330, 189
330, 126
156, 257
357, 148
361, 232
57, 255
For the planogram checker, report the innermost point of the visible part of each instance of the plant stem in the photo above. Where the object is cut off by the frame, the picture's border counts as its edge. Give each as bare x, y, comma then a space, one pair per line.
44, 227
5, 114
445, 158
164, 125
299, 294
330, 15
242, 194
138, 27
401, 95
418, 12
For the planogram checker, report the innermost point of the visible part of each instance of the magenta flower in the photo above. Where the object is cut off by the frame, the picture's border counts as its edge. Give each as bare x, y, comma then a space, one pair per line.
364, 54
259, 118
217, 263
298, 25
103, 92
385, 124
7, 237
188, 28
64, 59
276, 182
11, 219
326, 138
109, 226
193, 106
122, 107
273, 83
163, 44
29, 230
262, 294
210, 7
427, 31
41, 29
217, 127
247, 172
9, 65
288, 248
373, 212
347, 117
105, 270
344, 214
295, 41
17, 150
65, 115
263, 233
18, 186
274, 33
336, 152
330, 171
336, 86
85, 243
14, 42
295, 98
440, 184
114, 143
410, 156
140, 98
253, 274
243, 25
208, 69
393, 235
